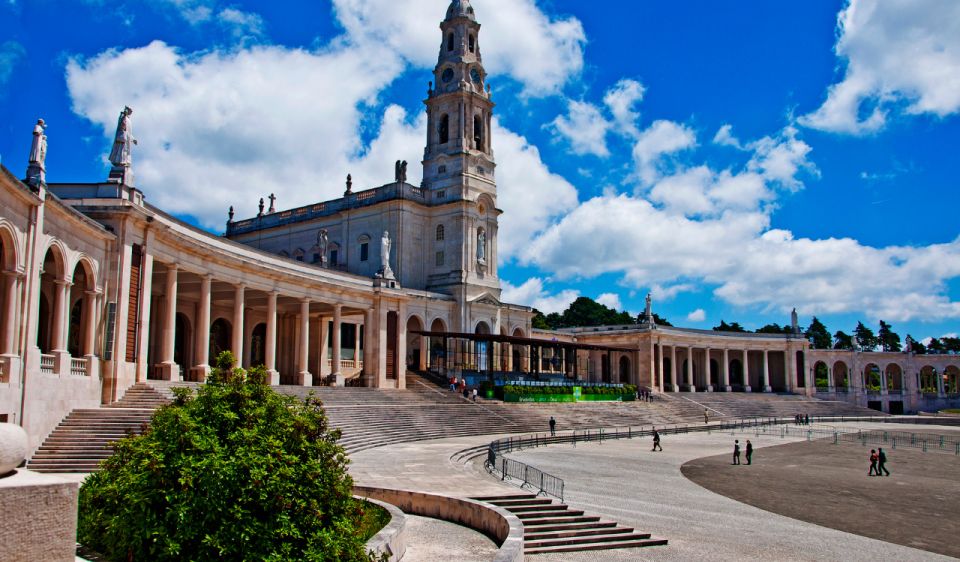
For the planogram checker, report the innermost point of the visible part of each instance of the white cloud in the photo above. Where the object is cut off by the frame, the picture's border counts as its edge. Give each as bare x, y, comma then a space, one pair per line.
698, 315
621, 101
661, 139
11, 53
531, 293
781, 158
585, 127
900, 55
241, 25
724, 137
611, 300
517, 38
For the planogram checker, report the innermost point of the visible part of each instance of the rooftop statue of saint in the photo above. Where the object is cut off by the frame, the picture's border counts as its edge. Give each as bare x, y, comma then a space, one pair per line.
37, 167
121, 155
385, 244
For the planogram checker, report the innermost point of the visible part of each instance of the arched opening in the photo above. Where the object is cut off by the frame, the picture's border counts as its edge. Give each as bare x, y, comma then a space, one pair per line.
801, 371
181, 341
894, 378
43, 330
51, 282
220, 336
75, 329
482, 349
517, 353
478, 132
872, 379
736, 374
444, 130
438, 346
473, 43
450, 41
928, 380
440, 233
624, 369
258, 345
841, 375
668, 381
416, 344
605, 368
821, 375
951, 380
714, 374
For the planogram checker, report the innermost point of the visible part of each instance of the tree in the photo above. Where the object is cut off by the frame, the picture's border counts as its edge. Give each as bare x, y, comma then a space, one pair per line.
732, 327
888, 339
775, 328
915, 346
842, 340
951, 344
539, 321
935, 346
864, 337
818, 335
236, 472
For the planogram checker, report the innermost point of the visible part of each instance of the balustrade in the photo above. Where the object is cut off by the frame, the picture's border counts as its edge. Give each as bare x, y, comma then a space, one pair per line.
46, 363
78, 367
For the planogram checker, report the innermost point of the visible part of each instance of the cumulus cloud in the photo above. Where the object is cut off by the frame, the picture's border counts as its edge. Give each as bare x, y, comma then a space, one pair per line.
585, 127
611, 300
243, 26
621, 100
724, 137
517, 39
11, 53
900, 55
531, 293
660, 140
698, 315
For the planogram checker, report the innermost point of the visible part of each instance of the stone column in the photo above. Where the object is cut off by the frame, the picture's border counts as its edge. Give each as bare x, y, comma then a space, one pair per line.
402, 346
326, 348
673, 369
746, 371
707, 369
356, 347
90, 320
146, 310
59, 327
424, 362
371, 377
238, 305
660, 385
689, 375
766, 372
726, 370
304, 378
202, 329
12, 284
884, 389
335, 368
169, 370
941, 391
270, 353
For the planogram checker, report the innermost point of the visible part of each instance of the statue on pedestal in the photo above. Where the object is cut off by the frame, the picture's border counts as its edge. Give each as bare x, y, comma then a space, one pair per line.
36, 170
121, 155
385, 244
648, 311
323, 242
481, 247
794, 322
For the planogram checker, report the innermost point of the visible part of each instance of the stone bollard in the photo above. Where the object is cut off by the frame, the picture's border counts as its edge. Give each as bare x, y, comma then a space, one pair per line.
13, 447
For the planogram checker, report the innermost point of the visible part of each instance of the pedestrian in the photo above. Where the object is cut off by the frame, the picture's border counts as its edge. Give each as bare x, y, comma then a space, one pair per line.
553, 426
806, 419
706, 417
873, 463
881, 462
656, 440
736, 451
453, 383
474, 394
749, 451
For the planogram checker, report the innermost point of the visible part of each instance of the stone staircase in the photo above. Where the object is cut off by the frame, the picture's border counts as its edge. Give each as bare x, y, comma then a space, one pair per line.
550, 527
82, 439
764, 405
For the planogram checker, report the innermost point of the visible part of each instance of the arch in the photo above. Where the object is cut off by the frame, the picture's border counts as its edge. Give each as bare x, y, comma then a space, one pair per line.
481, 328
951, 380
624, 369
518, 332
821, 375
438, 346
894, 374
55, 261
52, 271
736, 374
78, 295
221, 334
182, 338
841, 375
478, 132
928, 380
440, 233
9, 248
473, 42
334, 257
75, 329
416, 343
871, 377
91, 270
444, 130
43, 325
451, 41
258, 345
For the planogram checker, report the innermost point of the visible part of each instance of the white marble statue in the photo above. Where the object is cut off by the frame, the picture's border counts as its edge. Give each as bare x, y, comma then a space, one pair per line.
323, 242
121, 156
38, 150
385, 244
481, 246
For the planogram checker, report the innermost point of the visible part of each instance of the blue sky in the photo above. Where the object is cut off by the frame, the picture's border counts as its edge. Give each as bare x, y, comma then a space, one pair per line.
735, 158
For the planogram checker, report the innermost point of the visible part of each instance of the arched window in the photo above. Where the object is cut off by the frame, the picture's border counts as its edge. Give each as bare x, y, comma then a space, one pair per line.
473, 42
439, 232
478, 132
444, 129
449, 41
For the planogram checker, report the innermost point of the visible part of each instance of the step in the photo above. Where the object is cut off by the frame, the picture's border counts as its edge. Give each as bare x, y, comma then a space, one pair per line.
547, 528
521, 502
578, 533
638, 543
561, 520
549, 513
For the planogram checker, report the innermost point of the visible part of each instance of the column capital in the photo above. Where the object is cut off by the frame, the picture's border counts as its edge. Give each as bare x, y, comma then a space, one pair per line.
14, 274
63, 282
305, 300
173, 266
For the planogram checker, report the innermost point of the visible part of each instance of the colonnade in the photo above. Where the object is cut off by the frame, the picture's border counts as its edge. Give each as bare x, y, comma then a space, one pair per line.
690, 354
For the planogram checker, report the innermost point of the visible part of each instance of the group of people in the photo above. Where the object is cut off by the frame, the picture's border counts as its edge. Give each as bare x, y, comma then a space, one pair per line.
462, 387
736, 451
801, 419
878, 461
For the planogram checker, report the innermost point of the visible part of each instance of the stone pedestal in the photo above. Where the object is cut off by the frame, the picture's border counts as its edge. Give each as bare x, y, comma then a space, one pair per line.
768, 389
728, 388
168, 372
747, 389
200, 373
41, 517
304, 379
337, 380
61, 362
709, 388
273, 377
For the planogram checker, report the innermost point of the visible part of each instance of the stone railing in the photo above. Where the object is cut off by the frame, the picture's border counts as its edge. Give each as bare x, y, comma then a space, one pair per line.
78, 367
46, 363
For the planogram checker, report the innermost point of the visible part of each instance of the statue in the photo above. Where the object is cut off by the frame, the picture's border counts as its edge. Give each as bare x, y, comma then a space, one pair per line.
123, 141
794, 322
385, 244
481, 246
648, 311
273, 201
349, 190
400, 171
260, 207
230, 214
36, 169
323, 242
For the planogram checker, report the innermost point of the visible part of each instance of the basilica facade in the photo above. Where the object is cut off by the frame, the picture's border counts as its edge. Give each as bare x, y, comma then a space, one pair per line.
101, 289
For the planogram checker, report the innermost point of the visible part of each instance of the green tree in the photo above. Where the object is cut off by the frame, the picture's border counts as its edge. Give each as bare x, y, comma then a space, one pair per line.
818, 335
935, 346
915, 346
842, 340
657, 319
539, 321
236, 472
732, 327
889, 340
951, 344
774, 328
864, 337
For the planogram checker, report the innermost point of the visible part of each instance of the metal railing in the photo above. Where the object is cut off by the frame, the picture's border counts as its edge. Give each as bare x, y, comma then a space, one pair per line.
46, 364
78, 367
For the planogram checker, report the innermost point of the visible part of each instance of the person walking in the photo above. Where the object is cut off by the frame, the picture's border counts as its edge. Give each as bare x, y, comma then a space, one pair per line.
806, 419
553, 426
656, 440
749, 450
881, 462
873, 463
706, 417
736, 451
474, 394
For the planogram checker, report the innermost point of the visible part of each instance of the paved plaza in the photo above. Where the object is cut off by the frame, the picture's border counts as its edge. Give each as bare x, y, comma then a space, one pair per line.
626, 482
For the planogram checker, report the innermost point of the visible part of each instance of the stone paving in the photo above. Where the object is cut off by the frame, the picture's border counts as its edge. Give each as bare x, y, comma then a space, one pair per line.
440, 541
626, 482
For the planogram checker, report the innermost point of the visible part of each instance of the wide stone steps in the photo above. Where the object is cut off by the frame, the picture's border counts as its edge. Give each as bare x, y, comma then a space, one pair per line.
554, 527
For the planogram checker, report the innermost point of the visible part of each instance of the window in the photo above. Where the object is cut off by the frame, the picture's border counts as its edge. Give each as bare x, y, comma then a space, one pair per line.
439, 232
334, 257
364, 251
449, 41
444, 129
473, 41
442, 170
439, 259
441, 194
478, 132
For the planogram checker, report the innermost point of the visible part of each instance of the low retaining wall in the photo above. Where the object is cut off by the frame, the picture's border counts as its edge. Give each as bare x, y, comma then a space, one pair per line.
495, 522
392, 539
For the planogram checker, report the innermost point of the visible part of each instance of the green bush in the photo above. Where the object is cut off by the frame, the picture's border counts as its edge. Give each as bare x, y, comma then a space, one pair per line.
626, 390
237, 472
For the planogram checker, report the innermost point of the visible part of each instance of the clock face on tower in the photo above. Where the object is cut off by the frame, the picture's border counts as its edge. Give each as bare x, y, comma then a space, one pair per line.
447, 75
475, 75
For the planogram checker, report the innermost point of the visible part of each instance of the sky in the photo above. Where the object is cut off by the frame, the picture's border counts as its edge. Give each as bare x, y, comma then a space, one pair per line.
734, 158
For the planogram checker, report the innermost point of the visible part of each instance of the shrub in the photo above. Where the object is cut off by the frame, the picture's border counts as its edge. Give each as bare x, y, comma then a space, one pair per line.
237, 472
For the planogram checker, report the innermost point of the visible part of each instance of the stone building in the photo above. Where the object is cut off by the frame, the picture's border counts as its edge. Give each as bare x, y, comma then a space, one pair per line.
100, 289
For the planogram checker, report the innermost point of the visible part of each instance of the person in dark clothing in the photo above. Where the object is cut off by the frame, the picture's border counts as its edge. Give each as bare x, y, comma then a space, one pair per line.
736, 451
881, 462
806, 419
656, 441
553, 426
873, 463
749, 450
